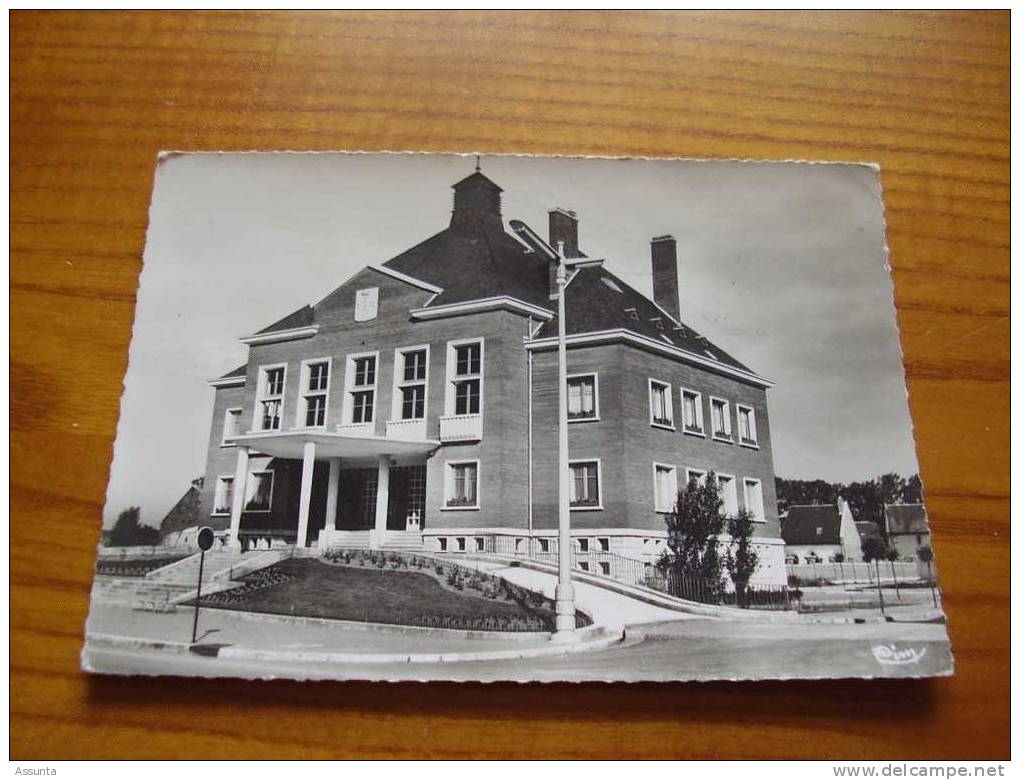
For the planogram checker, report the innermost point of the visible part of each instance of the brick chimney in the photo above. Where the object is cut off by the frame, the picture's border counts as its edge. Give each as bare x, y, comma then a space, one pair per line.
562, 227
665, 289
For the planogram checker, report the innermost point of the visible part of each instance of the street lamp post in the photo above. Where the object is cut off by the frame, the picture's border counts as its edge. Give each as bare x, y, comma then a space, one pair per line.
565, 622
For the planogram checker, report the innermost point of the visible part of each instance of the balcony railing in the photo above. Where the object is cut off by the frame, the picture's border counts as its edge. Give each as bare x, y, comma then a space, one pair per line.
460, 427
356, 429
406, 430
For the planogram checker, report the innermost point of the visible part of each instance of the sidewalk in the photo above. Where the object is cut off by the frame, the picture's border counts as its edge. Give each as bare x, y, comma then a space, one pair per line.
239, 635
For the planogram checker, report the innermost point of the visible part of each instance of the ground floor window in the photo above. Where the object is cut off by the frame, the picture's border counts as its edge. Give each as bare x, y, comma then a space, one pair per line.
665, 487
462, 484
753, 500
224, 498
259, 491
728, 493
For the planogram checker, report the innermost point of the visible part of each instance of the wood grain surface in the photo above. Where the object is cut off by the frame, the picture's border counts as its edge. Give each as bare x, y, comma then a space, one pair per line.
95, 95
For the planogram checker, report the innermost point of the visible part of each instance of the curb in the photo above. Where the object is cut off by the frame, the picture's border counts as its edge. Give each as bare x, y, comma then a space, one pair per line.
603, 638
382, 628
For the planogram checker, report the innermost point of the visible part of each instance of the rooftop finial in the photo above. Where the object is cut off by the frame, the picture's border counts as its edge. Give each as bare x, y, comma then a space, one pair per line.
478, 163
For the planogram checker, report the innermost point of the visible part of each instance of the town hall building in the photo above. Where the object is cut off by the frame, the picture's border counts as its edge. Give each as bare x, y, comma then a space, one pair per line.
415, 406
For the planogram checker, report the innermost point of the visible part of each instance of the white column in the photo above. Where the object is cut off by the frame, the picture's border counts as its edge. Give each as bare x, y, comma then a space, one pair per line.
307, 470
332, 493
237, 505
382, 500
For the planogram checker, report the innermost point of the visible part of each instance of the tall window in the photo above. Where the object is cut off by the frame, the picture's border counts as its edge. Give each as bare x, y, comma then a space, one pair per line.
728, 493
584, 484
259, 494
753, 500
721, 419
693, 420
361, 384
660, 399
411, 385
314, 394
224, 498
269, 406
462, 484
582, 403
231, 423
665, 487
467, 379
746, 425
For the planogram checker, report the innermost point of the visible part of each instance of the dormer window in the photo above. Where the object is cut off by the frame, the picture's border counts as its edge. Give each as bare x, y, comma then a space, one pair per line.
633, 313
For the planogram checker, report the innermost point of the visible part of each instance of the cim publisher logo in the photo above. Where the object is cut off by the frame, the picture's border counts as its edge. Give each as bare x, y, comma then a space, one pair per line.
890, 655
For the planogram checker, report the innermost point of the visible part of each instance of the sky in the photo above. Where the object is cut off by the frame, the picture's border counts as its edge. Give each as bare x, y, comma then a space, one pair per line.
782, 265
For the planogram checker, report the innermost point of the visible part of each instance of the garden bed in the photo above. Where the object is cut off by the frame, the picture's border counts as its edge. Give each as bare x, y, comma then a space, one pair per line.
391, 588
137, 567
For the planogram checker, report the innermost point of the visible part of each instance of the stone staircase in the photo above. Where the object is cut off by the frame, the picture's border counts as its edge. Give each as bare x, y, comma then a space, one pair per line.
350, 540
162, 589
138, 592
403, 541
219, 564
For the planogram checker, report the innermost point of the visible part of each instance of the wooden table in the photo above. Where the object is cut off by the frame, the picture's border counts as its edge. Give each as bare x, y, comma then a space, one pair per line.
95, 95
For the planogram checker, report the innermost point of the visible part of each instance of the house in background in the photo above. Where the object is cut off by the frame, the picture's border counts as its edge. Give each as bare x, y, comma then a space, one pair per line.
819, 533
415, 406
906, 529
180, 525
866, 528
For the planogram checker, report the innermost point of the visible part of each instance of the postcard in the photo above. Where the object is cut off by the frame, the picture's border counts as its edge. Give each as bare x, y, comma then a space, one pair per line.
407, 416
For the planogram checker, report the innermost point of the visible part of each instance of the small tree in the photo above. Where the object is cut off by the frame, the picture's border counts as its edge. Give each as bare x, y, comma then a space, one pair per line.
873, 548
926, 556
892, 556
693, 529
129, 531
741, 557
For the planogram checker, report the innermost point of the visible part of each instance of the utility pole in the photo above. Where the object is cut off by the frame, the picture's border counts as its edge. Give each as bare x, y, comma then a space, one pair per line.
565, 622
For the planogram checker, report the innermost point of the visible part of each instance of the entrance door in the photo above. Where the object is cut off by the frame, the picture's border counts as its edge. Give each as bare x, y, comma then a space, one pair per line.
406, 510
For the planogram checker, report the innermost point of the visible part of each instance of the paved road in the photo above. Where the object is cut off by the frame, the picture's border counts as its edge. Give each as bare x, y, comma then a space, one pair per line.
687, 650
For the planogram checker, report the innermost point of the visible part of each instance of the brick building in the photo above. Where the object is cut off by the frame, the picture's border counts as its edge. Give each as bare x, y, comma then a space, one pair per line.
416, 405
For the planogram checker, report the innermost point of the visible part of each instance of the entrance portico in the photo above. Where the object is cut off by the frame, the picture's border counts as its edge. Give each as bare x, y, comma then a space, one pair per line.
311, 446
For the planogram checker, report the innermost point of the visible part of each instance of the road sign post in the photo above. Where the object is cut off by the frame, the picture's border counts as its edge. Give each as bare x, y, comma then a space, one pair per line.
205, 541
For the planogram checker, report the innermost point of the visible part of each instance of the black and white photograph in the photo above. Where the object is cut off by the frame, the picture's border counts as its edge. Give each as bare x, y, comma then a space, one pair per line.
473, 417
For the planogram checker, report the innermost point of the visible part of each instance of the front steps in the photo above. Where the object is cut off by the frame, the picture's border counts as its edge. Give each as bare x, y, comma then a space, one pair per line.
394, 541
403, 541
348, 540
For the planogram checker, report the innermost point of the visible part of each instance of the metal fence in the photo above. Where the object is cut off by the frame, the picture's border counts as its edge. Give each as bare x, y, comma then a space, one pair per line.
856, 572
646, 574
